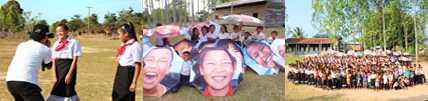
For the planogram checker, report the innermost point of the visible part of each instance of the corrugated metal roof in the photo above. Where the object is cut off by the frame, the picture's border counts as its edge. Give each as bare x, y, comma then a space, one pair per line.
236, 3
309, 40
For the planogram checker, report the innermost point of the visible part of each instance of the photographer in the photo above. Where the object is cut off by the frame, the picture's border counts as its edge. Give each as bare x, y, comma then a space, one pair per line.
22, 75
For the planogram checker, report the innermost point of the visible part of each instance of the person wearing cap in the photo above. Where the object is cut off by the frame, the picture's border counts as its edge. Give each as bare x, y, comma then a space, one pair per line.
65, 54
22, 75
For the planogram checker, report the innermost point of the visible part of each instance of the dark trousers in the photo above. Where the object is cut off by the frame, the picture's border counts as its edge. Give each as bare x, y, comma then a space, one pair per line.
421, 79
23, 91
183, 80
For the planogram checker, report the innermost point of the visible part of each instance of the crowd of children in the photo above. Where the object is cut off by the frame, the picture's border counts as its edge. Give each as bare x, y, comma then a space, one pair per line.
370, 72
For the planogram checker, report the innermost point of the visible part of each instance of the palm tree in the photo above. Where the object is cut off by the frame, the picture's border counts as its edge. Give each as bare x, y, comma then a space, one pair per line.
298, 33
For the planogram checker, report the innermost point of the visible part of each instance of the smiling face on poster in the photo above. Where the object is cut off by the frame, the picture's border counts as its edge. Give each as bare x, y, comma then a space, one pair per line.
278, 48
184, 45
166, 31
259, 56
161, 68
234, 48
215, 72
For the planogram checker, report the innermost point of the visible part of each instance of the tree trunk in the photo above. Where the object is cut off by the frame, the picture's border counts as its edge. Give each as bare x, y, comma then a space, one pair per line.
148, 15
193, 11
416, 32
180, 19
405, 35
231, 12
185, 14
167, 12
161, 17
153, 13
213, 14
383, 21
174, 14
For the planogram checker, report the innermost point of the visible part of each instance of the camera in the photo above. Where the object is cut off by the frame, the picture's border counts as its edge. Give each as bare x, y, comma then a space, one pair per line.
50, 35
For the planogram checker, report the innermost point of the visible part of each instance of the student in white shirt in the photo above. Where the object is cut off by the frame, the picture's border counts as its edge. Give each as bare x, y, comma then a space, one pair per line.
236, 35
258, 35
203, 36
273, 37
184, 73
211, 35
22, 74
223, 33
65, 54
246, 39
130, 58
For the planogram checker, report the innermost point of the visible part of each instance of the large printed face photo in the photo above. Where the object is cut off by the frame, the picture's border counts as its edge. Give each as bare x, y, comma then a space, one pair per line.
259, 57
281, 50
166, 31
184, 45
233, 47
216, 67
278, 48
157, 71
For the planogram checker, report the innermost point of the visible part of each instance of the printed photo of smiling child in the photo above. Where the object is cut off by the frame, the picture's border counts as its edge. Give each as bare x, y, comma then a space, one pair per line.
161, 70
278, 48
215, 72
258, 55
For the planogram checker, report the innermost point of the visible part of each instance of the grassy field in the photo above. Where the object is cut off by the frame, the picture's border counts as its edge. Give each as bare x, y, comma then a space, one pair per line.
96, 74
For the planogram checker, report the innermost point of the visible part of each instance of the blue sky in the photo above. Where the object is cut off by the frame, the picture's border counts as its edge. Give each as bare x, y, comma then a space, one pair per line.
300, 15
55, 10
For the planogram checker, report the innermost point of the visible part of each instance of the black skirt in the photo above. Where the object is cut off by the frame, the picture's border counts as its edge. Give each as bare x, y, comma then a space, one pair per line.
60, 88
122, 82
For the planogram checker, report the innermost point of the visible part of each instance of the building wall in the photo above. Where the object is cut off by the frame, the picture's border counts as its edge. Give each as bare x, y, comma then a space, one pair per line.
275, 14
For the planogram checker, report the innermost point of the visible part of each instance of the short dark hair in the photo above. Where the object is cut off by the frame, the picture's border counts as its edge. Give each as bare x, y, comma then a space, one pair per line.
274, 32
261, 27
159, 24
235, 26
205, 27
63, 26
224, 27
248, 33
186, 52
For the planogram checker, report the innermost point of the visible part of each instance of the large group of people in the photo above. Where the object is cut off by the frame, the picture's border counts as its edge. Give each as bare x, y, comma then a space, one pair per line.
357, 72
241, 37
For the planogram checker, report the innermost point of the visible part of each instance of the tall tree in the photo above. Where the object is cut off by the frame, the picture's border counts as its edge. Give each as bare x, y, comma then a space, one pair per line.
153, 12
298, 33
148, 14
416, 32
174, 12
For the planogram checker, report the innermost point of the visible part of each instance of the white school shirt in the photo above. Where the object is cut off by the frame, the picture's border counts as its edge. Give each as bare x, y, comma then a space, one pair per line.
185, 69
212, 35
202, 37
236, 34
246, 41
71, 49
270, 40
133, 53
258, 36
159, 41
26, 63
224, 35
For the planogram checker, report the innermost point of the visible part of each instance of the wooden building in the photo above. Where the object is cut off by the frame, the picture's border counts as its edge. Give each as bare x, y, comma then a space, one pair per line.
301, 46
271, 12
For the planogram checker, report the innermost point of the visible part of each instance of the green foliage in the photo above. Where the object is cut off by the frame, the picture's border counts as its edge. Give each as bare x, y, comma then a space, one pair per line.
298, 33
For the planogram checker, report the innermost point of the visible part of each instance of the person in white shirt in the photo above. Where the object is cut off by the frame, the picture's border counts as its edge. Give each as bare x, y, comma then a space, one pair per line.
236, 35
203, 36
130, 55
184, 73
22, 74
273, 37
65, 55
246, 39
223, 33
258, 35
211, 35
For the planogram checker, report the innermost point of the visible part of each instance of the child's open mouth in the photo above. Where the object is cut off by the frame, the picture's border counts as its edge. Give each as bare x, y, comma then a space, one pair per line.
149, 78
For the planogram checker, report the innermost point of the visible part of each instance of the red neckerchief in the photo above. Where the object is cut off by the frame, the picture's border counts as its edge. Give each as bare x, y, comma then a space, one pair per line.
229, 93
61, 45
122, 48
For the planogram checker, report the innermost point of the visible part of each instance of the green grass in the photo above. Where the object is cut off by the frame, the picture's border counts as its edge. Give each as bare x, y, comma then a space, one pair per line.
96, 73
